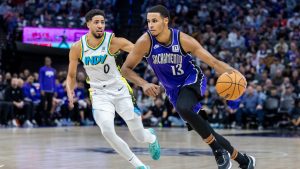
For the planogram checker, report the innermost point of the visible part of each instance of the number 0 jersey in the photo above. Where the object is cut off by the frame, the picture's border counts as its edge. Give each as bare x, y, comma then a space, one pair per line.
99, 63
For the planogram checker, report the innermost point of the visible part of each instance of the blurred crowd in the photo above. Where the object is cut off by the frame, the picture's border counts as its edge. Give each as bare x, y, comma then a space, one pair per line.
259, 38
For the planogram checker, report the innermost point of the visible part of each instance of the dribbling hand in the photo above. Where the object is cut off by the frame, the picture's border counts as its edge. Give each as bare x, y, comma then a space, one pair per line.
151, 89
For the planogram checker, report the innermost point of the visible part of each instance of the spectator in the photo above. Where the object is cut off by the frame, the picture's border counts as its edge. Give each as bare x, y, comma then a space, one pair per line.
5, 107
47, 76
82, 104
250, 106
287, 99
283, 45
173, 117
294, 21
14, 95
60, 106
32, 96
295, 114
157, 114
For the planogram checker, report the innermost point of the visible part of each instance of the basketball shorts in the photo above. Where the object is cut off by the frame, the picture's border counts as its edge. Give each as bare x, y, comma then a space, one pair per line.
118, 97
198, 87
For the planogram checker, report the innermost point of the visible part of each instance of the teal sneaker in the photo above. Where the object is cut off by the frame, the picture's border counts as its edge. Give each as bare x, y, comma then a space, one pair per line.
143, 167
154, 148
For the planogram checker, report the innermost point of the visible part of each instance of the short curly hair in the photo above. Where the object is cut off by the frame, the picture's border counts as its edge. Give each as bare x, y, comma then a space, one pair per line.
89, 16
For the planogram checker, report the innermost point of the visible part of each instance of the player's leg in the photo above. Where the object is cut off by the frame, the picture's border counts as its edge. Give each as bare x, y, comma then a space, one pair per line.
104, 114
242, 159
187, 105
132, 117
108, 131
138, 131
127, 108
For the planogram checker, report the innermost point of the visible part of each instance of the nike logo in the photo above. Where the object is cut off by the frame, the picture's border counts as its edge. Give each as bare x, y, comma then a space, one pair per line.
120, 88
156, 46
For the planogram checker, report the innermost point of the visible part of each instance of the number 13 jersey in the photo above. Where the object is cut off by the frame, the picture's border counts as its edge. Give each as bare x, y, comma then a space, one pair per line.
173, 67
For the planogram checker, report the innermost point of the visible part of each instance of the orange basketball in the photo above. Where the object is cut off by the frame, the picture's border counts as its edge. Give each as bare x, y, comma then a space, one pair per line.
231, 85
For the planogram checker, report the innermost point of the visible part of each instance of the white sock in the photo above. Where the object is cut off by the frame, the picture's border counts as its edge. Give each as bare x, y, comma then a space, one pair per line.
135, 161
139, 133
150, 137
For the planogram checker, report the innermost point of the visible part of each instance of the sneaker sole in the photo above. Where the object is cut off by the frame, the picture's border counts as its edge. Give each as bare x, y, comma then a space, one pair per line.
230, 163
254, 161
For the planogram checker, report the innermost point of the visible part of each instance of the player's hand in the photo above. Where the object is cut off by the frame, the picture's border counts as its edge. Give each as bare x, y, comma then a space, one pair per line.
151, 89
71, 99
236, 71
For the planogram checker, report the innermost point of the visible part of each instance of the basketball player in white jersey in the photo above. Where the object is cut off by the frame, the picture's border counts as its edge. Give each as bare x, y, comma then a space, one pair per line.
109, 91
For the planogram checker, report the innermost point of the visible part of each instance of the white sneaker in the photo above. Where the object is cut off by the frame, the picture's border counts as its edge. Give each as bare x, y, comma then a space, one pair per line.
58, 123
28, 123
15, 123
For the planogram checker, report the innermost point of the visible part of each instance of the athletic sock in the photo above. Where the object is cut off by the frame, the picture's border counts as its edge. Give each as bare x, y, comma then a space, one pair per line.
238, 157
135, 161
212, 142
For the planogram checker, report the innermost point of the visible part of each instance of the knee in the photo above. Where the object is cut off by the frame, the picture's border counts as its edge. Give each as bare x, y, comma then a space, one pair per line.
183, 110
108, 134
107, 130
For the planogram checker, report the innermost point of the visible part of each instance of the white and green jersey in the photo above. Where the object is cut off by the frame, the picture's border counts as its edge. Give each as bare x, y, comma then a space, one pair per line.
99, 63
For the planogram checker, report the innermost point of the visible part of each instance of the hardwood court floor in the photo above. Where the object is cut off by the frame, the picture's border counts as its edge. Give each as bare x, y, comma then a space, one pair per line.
85, 148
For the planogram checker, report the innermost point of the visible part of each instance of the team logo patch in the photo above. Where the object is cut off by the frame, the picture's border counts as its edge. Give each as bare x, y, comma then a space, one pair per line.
175, 48
156, 46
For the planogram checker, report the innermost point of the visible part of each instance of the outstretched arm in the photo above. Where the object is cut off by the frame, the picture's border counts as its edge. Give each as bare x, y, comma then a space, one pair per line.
74, 55
118, 43
140, 49
190, 45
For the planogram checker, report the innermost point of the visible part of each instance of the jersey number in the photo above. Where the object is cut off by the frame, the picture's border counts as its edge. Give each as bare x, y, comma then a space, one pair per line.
176, 70
106, 68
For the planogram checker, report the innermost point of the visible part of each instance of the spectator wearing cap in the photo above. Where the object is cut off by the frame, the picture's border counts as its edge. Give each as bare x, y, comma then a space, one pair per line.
294, 21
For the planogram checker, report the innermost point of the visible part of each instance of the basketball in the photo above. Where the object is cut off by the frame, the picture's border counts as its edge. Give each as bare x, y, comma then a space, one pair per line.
231, 85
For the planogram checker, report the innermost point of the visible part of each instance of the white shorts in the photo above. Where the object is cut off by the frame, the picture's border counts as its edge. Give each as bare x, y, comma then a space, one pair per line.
110, 99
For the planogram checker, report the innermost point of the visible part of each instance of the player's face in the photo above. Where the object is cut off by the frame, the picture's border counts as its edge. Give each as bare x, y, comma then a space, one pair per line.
156, 23
97, 26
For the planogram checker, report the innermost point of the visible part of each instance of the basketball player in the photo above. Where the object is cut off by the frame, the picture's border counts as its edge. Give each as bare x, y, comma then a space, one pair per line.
109, 92
169, 53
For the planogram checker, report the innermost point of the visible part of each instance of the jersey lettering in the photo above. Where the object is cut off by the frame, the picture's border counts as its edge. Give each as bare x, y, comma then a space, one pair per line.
95, 60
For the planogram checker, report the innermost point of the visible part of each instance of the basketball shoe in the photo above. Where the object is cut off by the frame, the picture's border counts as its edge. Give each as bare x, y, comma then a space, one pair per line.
251, 164
223, 159
154, 148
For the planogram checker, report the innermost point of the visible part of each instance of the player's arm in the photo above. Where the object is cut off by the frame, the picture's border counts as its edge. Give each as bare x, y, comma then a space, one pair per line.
119, 43
191, 45
74, 55
140, 50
